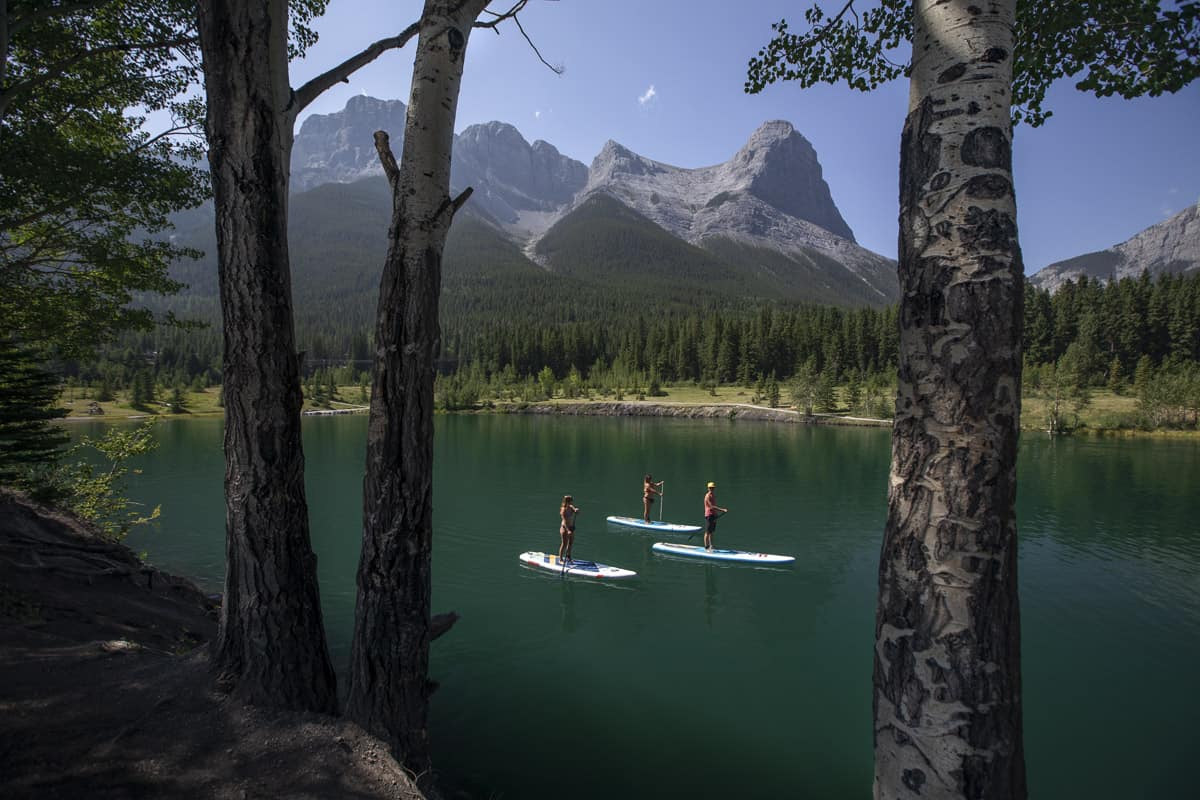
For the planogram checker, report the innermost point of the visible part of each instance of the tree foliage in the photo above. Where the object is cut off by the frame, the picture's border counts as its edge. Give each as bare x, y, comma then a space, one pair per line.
1127, 48
99, 147
87, 187
29, 444
94, 484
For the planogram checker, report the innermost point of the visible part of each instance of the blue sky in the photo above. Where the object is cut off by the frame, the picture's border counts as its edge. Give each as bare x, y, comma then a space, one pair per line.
665, 77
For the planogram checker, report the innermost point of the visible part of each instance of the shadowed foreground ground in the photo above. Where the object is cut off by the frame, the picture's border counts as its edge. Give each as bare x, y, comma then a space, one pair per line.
104, 688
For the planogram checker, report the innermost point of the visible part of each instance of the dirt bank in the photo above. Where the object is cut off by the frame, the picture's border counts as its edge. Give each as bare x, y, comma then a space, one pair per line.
104, 688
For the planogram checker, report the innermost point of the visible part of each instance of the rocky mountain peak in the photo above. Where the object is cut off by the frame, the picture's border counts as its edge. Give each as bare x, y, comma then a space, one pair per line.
512, 177
770, 196
494, 131
1171, 246
615, 159
780, 167
340, 147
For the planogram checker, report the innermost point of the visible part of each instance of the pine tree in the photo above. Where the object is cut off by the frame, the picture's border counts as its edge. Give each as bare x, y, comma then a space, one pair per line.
178, 402
1116, 380
853, 389
29, 444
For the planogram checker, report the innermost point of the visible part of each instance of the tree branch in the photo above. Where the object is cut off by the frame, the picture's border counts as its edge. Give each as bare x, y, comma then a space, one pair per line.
457, 203
440, 623
55, 70
388, 160
517, 7
342, 72
501, 16
53, 11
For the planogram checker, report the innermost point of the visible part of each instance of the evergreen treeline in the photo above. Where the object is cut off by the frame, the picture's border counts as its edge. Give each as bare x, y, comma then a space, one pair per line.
1113, 326
538, 334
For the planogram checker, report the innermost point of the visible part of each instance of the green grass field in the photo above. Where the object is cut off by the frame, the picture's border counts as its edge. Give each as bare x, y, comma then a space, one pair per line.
1105, 413
196, 404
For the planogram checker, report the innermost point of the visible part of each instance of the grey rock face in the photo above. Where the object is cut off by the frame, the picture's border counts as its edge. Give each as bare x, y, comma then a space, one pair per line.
784, 173
771, 193
1172, 246
340, 147
777, 166
515, 182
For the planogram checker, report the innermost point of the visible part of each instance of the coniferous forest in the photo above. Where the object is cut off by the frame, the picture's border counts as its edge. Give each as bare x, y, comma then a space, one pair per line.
533, 336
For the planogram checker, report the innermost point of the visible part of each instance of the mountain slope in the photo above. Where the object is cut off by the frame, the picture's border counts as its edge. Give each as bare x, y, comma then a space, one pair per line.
1172, 246
769, 203
340, 147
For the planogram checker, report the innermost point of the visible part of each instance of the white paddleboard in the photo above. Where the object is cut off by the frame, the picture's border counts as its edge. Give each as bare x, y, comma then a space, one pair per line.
698, 551
575, 567
665, 527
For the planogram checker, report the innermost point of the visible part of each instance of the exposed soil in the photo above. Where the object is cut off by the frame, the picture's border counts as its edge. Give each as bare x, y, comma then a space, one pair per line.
105, 690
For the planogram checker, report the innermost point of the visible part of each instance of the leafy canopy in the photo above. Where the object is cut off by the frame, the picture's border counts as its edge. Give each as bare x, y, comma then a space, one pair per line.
1128, 48
100, 143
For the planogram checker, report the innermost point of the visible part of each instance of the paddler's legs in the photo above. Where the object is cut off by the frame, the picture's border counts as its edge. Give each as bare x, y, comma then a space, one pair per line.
564, 547
568, 542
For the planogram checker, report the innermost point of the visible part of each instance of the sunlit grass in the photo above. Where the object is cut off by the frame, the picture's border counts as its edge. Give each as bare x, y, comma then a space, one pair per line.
1106, 412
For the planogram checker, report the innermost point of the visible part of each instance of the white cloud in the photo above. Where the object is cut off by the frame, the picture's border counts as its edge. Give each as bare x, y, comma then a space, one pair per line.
537, 114
649, 95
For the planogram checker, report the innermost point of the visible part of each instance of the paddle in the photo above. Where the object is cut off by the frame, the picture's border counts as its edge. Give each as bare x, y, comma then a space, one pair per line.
661, 501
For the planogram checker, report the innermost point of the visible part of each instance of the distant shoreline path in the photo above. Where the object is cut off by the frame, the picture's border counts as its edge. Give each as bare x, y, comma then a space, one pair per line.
694, 411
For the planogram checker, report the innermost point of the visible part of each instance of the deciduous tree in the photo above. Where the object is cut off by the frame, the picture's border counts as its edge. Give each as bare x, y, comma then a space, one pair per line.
389, 684
87, 183
947, 700
270, 647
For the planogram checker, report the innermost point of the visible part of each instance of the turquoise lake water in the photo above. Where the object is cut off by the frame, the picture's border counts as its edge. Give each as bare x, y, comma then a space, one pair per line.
724, 680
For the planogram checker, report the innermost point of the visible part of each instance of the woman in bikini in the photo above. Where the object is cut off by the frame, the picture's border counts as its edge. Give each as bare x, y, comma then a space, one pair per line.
649, 490
566, 530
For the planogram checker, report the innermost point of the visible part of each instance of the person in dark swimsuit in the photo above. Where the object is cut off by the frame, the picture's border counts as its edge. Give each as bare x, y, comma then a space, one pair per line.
566, 529
649, 490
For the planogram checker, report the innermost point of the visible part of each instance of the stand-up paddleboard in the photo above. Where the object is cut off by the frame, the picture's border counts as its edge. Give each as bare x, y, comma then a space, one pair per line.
697, 551
662, 527
575, 567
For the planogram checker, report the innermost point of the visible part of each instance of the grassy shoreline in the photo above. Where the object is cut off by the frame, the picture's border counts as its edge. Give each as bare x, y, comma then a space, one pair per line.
1108, 414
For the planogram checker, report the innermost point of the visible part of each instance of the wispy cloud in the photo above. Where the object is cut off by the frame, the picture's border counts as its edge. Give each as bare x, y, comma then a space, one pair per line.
647, 96
537, 114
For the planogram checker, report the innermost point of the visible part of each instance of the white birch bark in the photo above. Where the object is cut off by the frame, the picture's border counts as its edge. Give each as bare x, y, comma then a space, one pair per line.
947, 655
389, 686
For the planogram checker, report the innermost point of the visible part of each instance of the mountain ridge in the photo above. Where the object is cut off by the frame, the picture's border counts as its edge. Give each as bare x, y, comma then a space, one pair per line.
1170, 246
770, 196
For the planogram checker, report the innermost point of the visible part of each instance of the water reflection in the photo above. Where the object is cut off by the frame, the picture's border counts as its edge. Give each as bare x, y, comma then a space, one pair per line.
710, 593
1109, 579
570, 622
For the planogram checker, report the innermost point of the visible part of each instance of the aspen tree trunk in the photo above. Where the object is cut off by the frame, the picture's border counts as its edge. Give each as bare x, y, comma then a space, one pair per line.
947, 678
270, 647
389, 687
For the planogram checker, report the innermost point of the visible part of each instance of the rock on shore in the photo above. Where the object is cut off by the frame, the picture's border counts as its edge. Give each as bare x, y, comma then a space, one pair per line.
714, 411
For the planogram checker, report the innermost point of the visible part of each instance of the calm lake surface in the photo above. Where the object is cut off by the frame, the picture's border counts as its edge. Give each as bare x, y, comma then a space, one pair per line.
731, 681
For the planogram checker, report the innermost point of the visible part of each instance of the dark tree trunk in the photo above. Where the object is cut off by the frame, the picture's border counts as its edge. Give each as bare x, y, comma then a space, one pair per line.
947, 655
389, 685
270, 649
